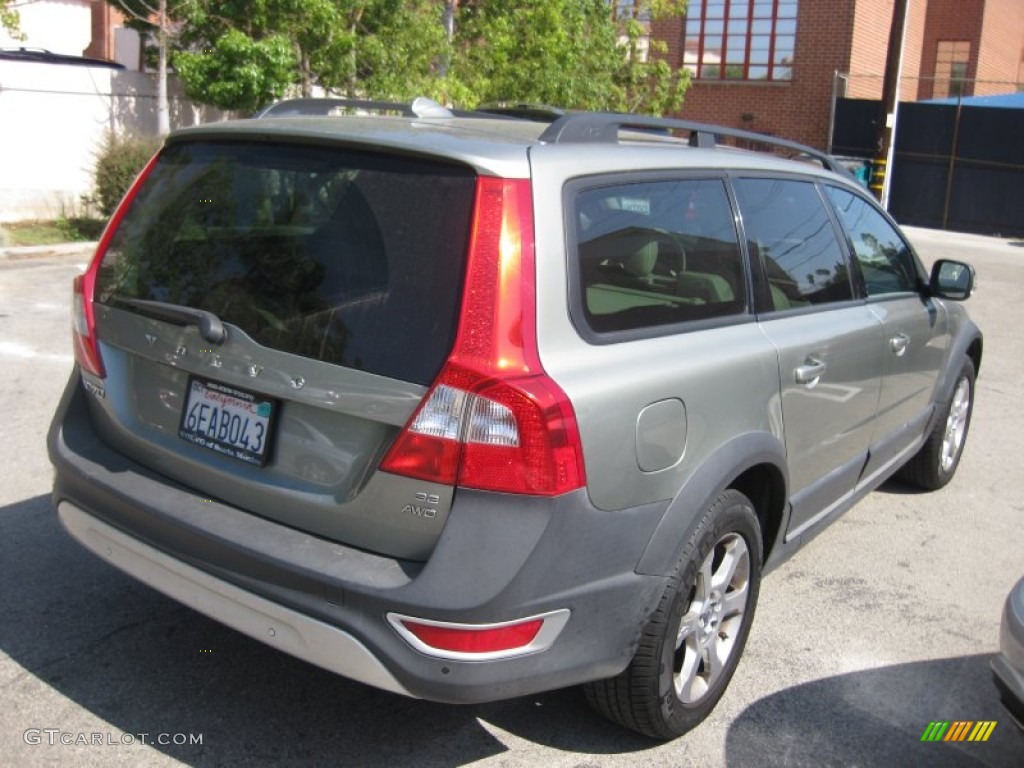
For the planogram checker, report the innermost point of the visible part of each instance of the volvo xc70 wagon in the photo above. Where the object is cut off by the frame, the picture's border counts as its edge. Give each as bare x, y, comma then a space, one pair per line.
470, 406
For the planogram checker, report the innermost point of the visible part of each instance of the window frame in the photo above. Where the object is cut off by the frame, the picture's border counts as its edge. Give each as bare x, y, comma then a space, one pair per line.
949, 54
747, 20
577, 300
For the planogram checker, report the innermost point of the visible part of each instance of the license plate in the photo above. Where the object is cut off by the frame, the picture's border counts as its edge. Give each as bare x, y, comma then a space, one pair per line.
227, 420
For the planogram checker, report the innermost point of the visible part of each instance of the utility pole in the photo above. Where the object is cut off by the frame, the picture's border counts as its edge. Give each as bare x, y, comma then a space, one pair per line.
163, 112
890, 102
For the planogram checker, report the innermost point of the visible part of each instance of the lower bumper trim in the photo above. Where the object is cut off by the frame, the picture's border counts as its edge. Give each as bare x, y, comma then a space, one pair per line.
306, 638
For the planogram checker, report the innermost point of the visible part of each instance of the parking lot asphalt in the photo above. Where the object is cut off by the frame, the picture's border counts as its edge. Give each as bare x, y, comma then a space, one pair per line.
882, 624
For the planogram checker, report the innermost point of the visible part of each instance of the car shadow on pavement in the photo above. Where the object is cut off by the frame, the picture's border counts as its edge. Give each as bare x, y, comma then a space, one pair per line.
898, 488
877, 717
136, 662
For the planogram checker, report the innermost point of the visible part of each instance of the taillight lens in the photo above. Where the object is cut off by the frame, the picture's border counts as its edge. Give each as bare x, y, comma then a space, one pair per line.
83, 316
494, 420
466, 640
83, 327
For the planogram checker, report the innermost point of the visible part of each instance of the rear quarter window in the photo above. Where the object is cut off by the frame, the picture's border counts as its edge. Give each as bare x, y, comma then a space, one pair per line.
656, 253
343, 256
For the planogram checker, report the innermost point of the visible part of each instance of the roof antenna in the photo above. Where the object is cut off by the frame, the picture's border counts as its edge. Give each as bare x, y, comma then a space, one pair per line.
424, 107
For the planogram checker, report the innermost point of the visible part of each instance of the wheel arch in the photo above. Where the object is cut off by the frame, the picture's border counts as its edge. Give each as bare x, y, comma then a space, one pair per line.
765, 485
970, 344
753, 463
974, 352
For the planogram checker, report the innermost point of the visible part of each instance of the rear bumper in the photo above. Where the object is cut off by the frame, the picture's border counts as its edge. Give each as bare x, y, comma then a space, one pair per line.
275, 625
499, 558
1008, 665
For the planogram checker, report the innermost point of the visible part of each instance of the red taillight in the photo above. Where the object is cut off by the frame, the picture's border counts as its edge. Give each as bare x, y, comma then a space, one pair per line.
494, 420
83, 326
472, 640
83, 316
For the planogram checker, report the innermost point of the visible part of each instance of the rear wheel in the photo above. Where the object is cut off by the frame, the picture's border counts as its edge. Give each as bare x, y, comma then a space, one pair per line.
693, 642
935, 464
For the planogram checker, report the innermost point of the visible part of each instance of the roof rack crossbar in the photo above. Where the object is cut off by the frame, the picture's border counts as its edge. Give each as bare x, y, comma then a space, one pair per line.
603, 128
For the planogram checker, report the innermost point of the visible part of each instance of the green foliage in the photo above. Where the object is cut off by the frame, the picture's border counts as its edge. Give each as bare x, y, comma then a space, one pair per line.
238, 72
118, 162
560, 52
79, 228
61, 230
645, 80
398, 51
584, 54
9, 19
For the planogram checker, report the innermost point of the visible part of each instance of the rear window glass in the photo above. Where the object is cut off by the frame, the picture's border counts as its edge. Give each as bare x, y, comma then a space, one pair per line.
351, 258
657, 253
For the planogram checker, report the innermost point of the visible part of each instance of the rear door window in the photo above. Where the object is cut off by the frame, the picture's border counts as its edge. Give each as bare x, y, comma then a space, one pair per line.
352, 258
789, 230
657, 253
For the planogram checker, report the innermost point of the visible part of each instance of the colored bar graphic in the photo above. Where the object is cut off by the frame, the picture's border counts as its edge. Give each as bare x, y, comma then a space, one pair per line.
935, 731
982, 730
958, 730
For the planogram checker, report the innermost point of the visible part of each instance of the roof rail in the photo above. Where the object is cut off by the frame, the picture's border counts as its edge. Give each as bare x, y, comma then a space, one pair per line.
604, 127
322, 107
543, 113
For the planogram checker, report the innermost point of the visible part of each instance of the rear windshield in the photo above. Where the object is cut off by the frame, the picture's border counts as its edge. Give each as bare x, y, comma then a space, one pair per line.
348, 257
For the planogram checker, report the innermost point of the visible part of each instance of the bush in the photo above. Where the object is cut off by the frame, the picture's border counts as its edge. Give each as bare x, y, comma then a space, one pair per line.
117, 164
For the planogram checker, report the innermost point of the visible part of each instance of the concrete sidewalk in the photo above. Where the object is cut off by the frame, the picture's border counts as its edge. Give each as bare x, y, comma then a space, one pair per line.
18, 253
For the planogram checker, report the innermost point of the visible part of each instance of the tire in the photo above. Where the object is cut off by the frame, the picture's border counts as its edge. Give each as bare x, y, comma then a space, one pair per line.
706, 610
935, 464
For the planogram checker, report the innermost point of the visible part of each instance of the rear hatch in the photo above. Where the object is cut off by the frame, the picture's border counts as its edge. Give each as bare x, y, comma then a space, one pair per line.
270, 314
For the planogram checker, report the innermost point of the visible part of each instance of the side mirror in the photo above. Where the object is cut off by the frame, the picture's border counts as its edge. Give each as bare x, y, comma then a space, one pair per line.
952, 280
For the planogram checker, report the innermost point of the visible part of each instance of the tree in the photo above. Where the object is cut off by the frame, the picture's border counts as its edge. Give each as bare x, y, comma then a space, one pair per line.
393, 49
559, 52
646, 81
242, 55
584, 54
158, 19
9, 19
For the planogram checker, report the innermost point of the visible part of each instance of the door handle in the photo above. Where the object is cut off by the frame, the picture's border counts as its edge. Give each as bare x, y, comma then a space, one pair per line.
809, 373
899, 343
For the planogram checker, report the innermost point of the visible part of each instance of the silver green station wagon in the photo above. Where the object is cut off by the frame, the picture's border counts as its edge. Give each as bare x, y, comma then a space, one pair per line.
467, 406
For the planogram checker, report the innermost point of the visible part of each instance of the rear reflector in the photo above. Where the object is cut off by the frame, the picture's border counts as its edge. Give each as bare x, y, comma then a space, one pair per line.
481, 641
476, 640
494, 420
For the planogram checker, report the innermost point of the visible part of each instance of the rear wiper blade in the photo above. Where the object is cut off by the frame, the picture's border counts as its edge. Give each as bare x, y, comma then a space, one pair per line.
210, 326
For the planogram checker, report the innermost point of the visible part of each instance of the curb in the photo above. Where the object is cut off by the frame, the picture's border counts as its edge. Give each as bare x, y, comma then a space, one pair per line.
21, 253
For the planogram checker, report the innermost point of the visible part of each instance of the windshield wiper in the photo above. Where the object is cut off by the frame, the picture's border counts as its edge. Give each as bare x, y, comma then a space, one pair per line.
210, 326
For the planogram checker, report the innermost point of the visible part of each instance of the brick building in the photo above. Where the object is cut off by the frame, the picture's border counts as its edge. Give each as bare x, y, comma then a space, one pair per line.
774, 66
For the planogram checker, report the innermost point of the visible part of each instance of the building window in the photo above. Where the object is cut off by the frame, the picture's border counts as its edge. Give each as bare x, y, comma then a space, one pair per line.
740, 39
951, 61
